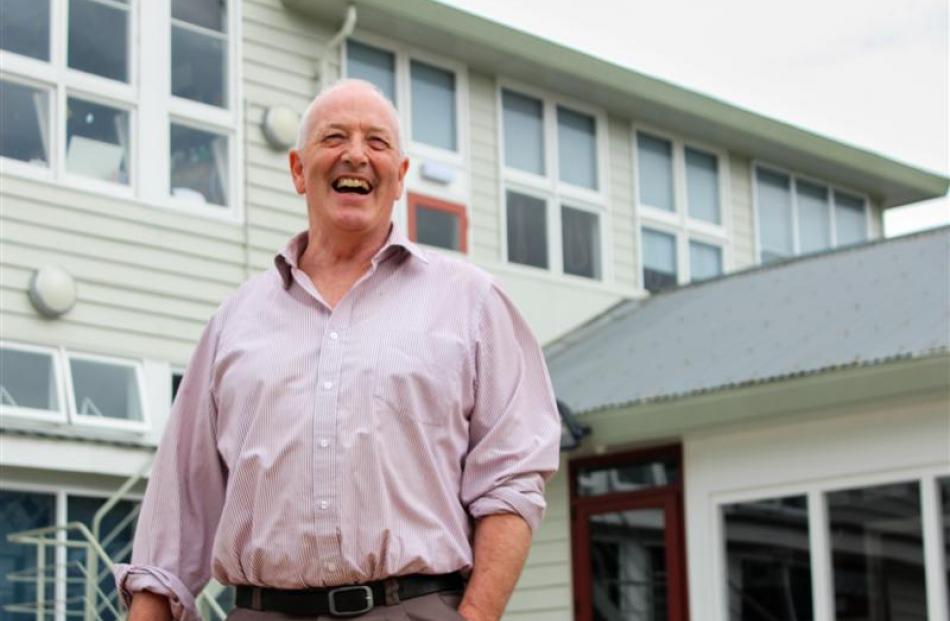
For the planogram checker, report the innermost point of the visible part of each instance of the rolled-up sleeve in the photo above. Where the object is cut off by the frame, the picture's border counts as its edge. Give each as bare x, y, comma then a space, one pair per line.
514, 427
171, 554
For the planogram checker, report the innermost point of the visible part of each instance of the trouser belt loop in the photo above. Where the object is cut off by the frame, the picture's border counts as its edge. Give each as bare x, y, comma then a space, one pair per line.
392, 592
256, 599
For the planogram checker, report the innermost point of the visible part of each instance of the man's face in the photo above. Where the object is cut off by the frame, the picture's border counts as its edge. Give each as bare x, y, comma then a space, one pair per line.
350, 167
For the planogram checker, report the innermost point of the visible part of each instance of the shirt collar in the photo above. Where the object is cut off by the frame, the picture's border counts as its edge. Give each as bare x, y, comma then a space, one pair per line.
286, 259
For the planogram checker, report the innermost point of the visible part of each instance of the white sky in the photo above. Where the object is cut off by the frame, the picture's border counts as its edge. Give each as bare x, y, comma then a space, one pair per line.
873, 73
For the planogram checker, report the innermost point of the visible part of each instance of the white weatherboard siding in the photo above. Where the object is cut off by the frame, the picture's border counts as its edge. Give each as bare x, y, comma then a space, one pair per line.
620, 205
484, 211
830, 450
544, 591
743, 220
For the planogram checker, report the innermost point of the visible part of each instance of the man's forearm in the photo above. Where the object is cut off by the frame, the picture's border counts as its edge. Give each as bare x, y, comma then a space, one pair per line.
147, 606
501, 546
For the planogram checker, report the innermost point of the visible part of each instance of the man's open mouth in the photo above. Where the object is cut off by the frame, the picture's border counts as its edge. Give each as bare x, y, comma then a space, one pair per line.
352, 185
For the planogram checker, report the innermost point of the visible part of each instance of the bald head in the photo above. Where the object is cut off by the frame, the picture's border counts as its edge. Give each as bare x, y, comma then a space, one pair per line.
350, 85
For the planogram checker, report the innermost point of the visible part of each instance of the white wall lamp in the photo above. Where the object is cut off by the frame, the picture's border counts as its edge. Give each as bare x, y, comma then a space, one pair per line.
52, 291
280, 127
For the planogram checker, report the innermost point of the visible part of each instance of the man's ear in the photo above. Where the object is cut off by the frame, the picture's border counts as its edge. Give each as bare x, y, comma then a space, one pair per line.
296, 171
403, 169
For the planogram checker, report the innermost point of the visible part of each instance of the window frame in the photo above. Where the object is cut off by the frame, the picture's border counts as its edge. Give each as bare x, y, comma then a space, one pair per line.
151, 106
821, 566
48, 416
403, 55
549, 187
113, 423
456, 209
679, 223
794, 177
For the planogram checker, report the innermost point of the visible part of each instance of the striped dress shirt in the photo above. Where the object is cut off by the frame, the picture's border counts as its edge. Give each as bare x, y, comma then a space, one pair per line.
314, 447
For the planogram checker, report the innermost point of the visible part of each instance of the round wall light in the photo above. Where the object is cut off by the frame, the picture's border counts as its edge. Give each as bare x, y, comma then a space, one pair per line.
280, 127
52, 291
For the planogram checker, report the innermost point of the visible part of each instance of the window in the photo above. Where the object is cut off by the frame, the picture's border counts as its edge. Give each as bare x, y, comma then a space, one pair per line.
553, 187
679, 199
73, 107
801, 216
48, 384
177, 377
767, 560
437, 223
19, 511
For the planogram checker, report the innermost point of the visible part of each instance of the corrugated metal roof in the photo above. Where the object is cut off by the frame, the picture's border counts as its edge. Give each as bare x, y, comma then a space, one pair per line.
861, 305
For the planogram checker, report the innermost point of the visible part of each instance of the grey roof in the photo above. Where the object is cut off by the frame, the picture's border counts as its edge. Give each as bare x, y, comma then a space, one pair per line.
856, 306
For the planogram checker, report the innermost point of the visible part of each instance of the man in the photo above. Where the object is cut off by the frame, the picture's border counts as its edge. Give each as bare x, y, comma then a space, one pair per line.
350, 417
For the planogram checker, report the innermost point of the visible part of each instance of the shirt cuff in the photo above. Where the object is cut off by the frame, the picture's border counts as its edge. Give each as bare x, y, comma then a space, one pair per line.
528, 504
130, 579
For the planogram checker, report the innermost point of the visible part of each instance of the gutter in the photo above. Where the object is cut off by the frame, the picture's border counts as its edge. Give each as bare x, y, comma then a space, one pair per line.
349, 23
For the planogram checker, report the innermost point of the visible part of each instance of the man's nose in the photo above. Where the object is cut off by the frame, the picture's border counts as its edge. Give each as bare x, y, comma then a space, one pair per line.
355, 153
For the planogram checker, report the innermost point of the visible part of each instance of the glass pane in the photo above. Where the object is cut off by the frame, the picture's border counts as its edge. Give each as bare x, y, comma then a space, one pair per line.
199, 67
580, 239
27, 380
116, 532
849, 219
702, 185
104, 390
659, 260
775, 215
814, 221
373, 65
98, 39
655, 167
577, 148
437, 227
524, 132
21, 511
768, 560
628, 565
629, 477
176, 384
433, 106
24, 27
945, 504
210, 14
878, 553
199, 166
24, 129
705, 261
527, 230
97, 141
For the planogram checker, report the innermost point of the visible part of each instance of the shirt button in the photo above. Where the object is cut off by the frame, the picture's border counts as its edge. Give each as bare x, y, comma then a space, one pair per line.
324, 504
334, 336
328, 385
324, 443
331, 566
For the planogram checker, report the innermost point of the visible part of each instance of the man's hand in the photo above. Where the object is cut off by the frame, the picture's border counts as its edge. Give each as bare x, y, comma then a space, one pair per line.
147, 606
501, 547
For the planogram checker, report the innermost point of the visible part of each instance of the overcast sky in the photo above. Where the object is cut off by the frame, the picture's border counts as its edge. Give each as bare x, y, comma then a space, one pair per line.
873, 73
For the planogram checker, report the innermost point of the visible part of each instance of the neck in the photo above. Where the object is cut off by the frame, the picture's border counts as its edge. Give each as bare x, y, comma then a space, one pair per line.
328, 248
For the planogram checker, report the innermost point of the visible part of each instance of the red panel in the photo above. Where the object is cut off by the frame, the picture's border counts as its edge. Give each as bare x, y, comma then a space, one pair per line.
456, 209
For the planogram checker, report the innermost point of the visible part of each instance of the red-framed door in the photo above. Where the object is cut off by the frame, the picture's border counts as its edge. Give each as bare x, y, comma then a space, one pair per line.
628, 552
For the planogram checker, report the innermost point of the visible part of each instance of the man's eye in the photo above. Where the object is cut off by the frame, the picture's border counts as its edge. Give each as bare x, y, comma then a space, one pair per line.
379, 143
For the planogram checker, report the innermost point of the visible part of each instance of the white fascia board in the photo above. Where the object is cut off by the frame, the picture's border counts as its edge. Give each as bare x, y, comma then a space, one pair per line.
22, 451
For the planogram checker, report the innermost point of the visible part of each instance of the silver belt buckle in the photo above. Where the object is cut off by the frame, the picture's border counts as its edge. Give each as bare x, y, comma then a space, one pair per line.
350, 613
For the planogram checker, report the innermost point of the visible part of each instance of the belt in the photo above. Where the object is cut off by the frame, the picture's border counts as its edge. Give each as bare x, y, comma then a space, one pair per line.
344, 601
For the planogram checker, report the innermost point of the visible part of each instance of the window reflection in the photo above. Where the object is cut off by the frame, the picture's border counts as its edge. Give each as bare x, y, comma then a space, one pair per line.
24, 126
767, 557
630, 477
97, 141
98, 38
878, 553
199, 166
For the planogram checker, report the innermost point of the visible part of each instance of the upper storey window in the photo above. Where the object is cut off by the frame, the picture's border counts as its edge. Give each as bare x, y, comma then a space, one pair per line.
680, 201
555, 204
800, 216
95, 93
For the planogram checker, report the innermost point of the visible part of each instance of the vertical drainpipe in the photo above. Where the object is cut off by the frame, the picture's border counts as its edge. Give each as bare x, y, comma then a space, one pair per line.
349, 23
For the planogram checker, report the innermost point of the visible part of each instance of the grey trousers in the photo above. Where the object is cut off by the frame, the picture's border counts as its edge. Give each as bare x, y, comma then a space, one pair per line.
432, 607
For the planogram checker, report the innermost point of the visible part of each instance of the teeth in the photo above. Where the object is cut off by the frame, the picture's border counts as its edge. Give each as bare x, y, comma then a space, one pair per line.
352, 183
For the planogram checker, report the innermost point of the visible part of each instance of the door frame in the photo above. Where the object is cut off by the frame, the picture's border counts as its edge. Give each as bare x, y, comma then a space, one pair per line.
669, 498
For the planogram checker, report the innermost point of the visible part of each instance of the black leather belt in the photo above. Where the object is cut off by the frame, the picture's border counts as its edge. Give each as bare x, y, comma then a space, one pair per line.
344, 601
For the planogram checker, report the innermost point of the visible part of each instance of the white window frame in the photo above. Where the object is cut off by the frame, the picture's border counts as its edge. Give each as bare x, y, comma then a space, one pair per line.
146, 96
794, 177
550, 188
678, 222
819, 537
48, 416
113, 423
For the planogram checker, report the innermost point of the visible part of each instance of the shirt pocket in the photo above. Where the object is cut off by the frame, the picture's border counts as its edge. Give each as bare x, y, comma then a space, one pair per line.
419, 377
